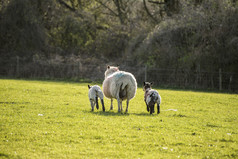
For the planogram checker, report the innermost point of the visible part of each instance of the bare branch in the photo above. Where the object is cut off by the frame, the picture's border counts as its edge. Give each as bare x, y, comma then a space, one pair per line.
118, 4
156, 2
66, 5
104, 5
148, 12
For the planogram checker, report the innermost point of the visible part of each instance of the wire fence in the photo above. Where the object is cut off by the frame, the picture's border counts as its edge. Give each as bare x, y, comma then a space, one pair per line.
160, 77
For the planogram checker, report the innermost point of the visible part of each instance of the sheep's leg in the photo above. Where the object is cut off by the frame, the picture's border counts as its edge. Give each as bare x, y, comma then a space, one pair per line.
96, 99
127, 105
111, 108
92, 105
118, 100
103, 108
119, 104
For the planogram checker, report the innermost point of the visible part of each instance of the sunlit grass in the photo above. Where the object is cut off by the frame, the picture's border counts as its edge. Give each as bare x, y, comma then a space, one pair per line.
41, 119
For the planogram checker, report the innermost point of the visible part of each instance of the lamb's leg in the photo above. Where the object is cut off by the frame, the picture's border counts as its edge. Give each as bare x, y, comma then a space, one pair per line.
121, 105
111, 108
151, 109
148, 108
97, 103
92, 105
103, 108
158, 108
158, 105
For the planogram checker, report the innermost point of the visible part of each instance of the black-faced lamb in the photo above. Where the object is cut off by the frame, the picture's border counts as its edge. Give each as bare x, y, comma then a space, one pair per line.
151, 97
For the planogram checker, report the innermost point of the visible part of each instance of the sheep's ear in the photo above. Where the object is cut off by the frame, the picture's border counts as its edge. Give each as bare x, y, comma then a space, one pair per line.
151, 83
108, 67
89, 86
144, 83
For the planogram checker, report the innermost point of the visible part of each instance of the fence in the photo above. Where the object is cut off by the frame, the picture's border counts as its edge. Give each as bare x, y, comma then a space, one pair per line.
193, 79
161, 77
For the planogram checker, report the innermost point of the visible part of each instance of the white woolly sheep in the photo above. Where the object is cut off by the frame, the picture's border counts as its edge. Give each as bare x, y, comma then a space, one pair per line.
93, 94
151, 97
119, 85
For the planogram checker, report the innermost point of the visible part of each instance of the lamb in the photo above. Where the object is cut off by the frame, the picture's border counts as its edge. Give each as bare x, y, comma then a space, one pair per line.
151, 97
119, 85
93, 94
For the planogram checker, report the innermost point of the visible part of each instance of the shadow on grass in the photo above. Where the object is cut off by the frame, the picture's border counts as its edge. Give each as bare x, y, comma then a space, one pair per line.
145, 114
111, 113
4, 155
106, 113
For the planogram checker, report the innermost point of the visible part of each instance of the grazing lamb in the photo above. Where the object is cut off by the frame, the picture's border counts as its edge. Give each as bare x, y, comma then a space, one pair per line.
119, 85
151, 97
93, 94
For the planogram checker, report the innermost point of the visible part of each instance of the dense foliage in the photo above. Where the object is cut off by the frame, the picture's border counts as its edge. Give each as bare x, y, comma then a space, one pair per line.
172, 34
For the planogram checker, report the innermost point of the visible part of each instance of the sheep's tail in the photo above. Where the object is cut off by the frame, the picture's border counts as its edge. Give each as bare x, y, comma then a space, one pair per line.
153, 98
129, 87
123, 86
123, 91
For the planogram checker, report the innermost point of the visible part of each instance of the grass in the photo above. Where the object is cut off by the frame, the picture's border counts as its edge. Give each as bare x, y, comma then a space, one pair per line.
40, 119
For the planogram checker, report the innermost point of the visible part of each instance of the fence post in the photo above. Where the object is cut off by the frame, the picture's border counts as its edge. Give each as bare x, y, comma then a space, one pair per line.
230, 83
79, 69
212, 82
220, 79
18, 69
198, 79
145, 73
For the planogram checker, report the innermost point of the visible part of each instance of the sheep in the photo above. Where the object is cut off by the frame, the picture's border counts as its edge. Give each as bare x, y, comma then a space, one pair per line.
151, 97
119, 85
93, 94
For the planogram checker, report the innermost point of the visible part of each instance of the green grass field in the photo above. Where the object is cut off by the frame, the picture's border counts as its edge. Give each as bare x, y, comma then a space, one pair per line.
46, 119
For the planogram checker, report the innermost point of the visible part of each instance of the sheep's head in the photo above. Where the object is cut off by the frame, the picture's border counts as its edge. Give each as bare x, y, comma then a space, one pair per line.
110, 70
147, 85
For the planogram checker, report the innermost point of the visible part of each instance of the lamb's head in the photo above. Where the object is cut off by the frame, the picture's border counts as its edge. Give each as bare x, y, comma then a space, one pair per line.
110, 70
147, 85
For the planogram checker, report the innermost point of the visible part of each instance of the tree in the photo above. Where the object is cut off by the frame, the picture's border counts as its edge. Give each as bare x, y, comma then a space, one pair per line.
21, 29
